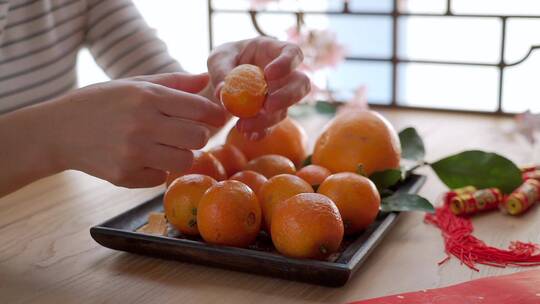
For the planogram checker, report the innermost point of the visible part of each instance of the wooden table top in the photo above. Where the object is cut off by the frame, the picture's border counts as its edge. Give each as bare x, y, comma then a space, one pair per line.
48, 256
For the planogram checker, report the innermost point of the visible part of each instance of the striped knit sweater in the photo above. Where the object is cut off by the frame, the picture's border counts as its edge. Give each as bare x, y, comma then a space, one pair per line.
40, 39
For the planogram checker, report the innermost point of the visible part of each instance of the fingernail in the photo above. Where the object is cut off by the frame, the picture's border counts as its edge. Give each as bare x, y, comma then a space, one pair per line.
256, 136
251, 136
264, 133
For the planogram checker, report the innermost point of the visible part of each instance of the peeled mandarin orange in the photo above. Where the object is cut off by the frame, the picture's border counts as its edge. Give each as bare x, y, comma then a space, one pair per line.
203, 163
181, 201
313, 174
244, 90
287, 138
355, 196
276, 190
307, 225
358, 138
271, 165
232, 159
229, 214
252, 179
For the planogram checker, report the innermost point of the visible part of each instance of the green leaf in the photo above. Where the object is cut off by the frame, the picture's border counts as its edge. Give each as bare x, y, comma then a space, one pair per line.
479, 169
325, 107
307, 161
386, 192
385, 179
360, 170
412, 146
406, 202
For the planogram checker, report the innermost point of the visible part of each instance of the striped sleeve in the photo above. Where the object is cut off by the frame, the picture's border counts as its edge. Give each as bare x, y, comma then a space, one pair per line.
122, 43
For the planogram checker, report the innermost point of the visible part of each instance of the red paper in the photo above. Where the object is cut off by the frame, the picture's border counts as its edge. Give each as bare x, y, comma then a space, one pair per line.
518, 288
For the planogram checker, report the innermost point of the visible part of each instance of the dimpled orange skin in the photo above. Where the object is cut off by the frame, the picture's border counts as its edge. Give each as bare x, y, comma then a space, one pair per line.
252, 179
307, 225
271, 165
276, 190
181, 201
229, 214
232, 159
244, 91
358, 137
313, 174
203, 163
287, 138
355, 196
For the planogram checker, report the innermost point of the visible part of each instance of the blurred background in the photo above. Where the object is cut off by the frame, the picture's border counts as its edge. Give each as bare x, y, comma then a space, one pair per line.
363, 41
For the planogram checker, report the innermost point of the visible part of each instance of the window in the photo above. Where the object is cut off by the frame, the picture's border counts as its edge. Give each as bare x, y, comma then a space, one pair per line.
424, 39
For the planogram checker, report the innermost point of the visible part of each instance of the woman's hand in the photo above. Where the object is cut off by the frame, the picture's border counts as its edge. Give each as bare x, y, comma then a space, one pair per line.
279, 61
129, 132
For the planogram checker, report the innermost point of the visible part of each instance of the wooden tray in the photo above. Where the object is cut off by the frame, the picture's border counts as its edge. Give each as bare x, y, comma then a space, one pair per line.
261, 258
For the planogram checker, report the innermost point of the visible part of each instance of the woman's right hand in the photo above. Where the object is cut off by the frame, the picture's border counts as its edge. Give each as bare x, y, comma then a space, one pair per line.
132, 131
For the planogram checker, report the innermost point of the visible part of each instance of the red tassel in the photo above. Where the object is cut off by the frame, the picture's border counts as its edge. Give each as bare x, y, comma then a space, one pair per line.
459, 242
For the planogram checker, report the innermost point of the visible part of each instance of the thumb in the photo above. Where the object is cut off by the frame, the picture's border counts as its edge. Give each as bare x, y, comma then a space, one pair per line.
190, 83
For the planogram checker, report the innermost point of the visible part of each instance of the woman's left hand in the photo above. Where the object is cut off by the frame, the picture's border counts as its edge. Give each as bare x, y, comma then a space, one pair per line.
279, 60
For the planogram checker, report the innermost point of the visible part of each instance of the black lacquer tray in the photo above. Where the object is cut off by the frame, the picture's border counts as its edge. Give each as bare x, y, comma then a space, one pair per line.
260, 258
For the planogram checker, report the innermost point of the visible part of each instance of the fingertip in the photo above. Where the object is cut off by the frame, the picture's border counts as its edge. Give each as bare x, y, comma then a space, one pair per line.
290, 58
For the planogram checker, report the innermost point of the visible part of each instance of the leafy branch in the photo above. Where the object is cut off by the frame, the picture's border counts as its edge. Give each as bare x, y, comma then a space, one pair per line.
476, 168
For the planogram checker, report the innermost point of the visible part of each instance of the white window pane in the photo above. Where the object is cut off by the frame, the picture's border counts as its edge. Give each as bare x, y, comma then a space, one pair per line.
521, 91
183, 26
223, 25
521, 34
376, 76
231, 4
453, 39
371, 5
364, 36
308, 5
498, 7
446, 86
321, 5
423, 6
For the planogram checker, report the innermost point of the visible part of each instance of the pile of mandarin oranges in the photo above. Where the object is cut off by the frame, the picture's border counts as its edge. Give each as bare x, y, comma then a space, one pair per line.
238, 189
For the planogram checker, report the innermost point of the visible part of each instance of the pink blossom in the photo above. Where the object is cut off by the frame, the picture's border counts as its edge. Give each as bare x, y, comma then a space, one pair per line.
358, 102
260, 3
320, 47
526, 124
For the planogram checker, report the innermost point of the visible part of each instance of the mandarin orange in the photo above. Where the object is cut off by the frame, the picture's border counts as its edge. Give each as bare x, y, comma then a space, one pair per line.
181, 201
355, 196
203, 163
276, 190
271, 165
287, 138
358, 138
229, 214
313, 174
232, 159
252, 179
244, 91
307, 225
